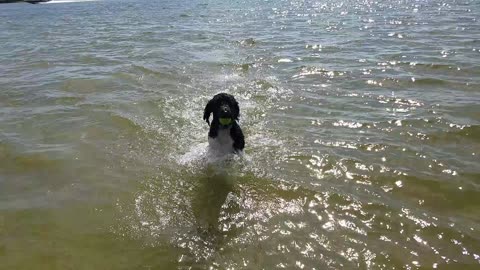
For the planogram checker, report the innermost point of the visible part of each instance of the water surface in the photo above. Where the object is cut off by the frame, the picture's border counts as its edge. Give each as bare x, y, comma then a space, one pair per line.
362, 126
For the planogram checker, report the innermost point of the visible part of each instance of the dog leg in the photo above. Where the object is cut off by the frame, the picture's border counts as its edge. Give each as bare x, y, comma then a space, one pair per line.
237, 136
213, 133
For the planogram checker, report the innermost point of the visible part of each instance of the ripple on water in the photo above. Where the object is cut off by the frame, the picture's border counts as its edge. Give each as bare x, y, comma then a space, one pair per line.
361, 121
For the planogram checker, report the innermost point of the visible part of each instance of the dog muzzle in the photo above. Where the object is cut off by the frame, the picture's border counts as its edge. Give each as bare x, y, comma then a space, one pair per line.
225, 121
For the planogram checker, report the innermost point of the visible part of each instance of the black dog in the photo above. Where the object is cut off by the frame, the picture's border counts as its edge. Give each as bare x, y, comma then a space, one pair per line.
225, 134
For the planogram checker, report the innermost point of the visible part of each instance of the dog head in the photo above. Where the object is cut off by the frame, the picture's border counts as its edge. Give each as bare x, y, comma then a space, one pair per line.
224, 108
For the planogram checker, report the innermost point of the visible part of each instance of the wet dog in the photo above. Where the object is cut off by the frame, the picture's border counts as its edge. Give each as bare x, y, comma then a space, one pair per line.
225, 135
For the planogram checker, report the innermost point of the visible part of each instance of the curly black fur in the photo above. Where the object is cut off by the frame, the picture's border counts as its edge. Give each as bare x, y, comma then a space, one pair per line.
224, 105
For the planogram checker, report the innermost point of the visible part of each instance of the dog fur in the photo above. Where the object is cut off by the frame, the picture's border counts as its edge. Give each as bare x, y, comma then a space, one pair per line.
224, 138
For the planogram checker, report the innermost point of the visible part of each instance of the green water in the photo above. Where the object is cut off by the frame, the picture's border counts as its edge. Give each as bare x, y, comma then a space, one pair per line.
362, 125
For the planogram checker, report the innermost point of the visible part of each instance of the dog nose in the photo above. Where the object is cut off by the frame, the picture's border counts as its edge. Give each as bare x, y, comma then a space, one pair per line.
225, 109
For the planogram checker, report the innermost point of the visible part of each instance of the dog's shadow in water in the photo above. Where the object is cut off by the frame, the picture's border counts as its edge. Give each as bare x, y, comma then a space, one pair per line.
209, 206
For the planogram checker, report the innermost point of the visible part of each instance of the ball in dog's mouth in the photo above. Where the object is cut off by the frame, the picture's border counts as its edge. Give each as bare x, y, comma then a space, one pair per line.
225, 121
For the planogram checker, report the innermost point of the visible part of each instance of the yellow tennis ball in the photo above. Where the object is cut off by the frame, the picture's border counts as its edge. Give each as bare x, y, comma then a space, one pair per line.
225, 121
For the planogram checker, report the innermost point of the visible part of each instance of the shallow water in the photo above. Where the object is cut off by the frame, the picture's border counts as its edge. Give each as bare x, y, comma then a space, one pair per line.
362, 124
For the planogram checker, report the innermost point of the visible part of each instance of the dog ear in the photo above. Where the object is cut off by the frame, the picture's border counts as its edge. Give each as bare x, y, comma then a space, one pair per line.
236, 108
208, 110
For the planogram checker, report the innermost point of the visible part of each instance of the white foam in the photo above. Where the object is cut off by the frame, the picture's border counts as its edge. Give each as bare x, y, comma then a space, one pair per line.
204, 154
284, 60
195, 154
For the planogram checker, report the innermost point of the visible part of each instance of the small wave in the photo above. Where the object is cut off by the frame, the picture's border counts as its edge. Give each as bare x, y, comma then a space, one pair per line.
68, 1
248, 42
460, 134
429, 81
427, 66
125, 123
90, 60
85, 85
150, 71
310, 70
12, 160
244, 67
264, 84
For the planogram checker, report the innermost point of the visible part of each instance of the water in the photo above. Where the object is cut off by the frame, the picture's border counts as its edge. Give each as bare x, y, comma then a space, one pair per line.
362, 126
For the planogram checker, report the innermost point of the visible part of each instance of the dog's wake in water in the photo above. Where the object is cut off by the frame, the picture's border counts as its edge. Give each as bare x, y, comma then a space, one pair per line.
210, 154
